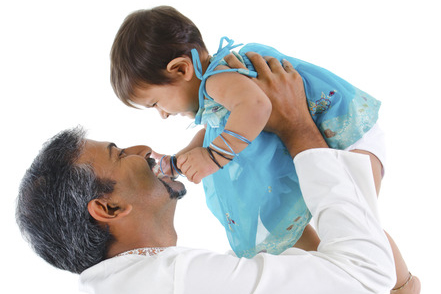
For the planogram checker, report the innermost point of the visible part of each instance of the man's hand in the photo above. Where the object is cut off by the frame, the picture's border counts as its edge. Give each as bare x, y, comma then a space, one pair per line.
290, 118
284, 86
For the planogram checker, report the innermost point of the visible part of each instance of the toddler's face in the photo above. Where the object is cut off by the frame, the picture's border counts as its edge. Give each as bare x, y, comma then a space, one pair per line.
172, 99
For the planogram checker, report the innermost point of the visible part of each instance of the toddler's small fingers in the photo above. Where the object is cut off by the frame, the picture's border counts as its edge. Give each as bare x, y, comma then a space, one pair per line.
190, 175
196, 178
181, 160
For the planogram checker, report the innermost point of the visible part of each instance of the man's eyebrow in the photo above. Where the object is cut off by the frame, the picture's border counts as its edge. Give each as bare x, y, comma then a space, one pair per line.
110, 148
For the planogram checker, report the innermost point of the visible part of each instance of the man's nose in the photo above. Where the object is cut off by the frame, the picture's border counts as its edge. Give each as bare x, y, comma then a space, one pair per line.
141, 150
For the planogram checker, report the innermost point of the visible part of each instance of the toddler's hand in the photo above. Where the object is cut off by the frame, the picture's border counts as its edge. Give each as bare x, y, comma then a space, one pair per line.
196, 164
164, 165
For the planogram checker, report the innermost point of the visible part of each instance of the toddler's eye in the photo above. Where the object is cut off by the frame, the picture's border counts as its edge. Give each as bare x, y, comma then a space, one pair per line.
122, 153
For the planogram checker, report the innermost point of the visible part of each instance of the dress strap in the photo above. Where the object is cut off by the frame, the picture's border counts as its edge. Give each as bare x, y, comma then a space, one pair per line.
222, 51
214, 62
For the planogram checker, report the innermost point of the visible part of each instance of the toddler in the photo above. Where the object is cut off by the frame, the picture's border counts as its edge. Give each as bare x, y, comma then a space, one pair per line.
160, 61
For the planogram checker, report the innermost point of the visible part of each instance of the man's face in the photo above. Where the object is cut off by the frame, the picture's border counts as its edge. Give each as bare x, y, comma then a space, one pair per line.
131, 169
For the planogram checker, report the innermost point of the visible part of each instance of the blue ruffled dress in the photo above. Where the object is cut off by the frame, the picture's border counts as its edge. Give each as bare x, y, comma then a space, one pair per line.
256, 196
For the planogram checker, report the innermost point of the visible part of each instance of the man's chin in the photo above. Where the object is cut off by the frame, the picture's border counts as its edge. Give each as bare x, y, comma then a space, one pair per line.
175, 189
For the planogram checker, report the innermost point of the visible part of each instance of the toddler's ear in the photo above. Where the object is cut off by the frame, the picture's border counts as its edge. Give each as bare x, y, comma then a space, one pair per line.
181, 67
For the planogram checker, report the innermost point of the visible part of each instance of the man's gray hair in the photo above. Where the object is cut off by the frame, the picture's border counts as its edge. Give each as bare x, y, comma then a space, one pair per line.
52, 205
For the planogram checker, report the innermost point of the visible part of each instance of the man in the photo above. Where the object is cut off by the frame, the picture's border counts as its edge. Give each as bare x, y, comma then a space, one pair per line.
92, 208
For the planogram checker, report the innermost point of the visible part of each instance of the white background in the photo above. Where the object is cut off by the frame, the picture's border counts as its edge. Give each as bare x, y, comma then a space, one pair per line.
54, 67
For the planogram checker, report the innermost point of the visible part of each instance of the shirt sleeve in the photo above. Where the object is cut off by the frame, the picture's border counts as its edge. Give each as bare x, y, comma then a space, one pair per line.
354, 255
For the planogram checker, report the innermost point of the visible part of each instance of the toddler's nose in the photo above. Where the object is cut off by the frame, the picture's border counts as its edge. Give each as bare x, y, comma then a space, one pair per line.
163, 114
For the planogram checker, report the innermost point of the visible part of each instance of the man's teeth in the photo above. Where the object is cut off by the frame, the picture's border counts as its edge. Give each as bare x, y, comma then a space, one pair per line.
156, 170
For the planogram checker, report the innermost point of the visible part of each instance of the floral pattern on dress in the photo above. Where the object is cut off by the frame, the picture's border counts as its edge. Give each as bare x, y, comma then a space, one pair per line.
213, 113
230, 221
322, 105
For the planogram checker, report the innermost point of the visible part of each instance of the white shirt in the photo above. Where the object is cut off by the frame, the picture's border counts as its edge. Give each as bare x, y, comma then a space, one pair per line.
354, 255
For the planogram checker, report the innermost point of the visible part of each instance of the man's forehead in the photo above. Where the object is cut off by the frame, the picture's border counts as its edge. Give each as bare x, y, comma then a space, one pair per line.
96, 145
94, 150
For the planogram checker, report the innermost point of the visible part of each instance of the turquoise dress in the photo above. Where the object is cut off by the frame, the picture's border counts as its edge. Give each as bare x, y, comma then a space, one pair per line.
256, 196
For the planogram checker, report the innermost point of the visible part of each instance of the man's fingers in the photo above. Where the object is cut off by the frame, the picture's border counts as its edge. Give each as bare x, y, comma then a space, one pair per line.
288, 66
259, 64
274, 64
233, 61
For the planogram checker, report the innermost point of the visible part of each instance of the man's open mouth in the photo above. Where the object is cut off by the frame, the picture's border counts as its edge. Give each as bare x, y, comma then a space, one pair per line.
166, 180
172, 167
155, 167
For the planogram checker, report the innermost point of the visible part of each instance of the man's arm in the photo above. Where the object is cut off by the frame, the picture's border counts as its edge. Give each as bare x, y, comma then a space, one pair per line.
292, 121
354, 255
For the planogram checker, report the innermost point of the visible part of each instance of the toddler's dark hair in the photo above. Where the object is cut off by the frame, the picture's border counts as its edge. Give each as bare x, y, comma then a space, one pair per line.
145, 43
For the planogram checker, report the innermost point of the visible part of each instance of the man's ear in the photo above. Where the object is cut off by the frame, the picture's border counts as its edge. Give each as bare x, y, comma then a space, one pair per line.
181, 67
103, 211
